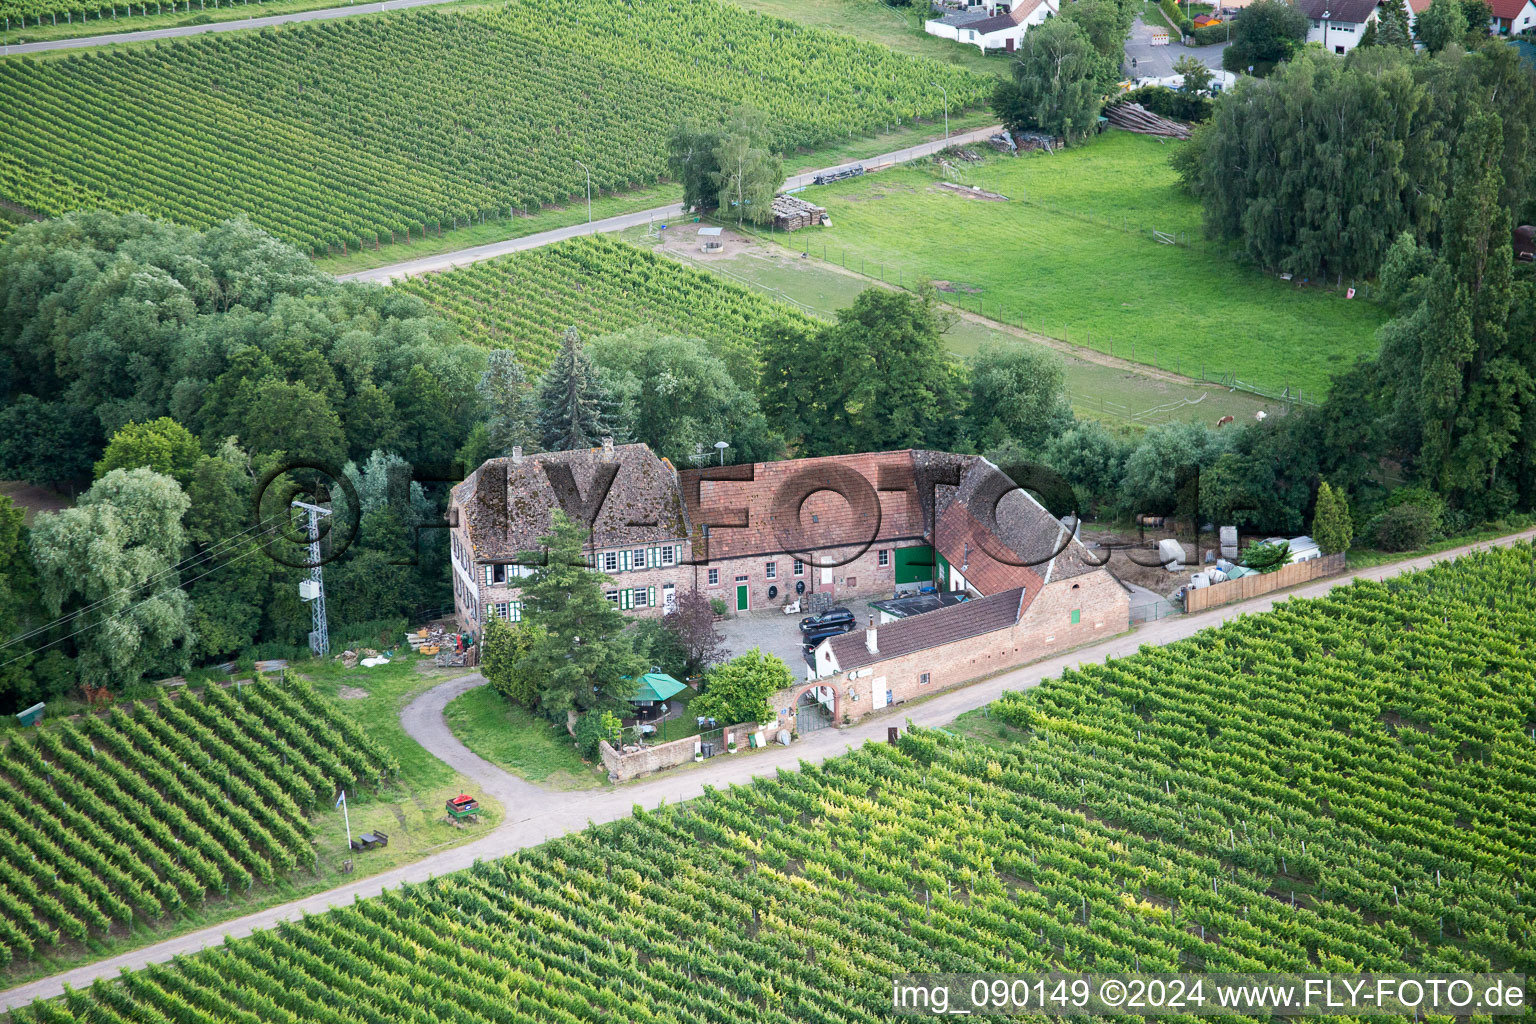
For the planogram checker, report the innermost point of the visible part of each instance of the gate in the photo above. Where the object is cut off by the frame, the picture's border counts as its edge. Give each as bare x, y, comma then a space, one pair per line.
810, 713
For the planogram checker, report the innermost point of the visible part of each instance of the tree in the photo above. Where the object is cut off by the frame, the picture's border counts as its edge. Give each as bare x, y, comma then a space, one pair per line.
1057, 82
692, 622
47, 443
162, 445
737, 692
575, 408
1440, 24
19, 684
1018, 393
580, 656
691, 162
1264, 33
1197, 77
747, 173
503, 645
679, 397
1331, 526
1393, 27
1265, 558
1091, 459
1107, 24
504, 389
1478, 14
1167, 455
111, 561
291, 423
1464, 382
877, 379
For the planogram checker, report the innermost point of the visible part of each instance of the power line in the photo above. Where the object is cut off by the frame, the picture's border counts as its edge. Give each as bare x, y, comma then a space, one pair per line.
131, 607
179, 567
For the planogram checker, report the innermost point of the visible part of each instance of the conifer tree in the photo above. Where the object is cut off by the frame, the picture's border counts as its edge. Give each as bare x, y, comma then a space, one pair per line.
1331, 526
574, 408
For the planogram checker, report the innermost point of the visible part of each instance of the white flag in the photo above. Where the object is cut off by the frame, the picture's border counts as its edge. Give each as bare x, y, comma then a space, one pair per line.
340, 800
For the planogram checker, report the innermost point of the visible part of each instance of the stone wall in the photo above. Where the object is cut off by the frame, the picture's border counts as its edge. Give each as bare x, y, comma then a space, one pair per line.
626, 765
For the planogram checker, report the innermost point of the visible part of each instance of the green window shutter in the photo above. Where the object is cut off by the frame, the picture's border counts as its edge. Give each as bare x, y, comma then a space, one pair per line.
517, 611
626, 599
650, 597
487, 575
624, 561
1077, 616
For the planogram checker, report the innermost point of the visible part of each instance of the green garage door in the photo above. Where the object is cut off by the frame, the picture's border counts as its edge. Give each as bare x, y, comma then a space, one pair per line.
914, 565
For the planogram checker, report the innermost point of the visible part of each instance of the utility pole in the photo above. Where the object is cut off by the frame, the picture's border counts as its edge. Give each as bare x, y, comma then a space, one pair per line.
945, 91
312, 587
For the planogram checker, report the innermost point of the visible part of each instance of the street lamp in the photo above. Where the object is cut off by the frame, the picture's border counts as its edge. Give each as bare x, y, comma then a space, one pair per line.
722, 446
589, 189
945, 91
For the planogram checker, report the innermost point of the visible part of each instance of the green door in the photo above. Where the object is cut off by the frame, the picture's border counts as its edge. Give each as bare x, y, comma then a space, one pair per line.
914, 564
741, 597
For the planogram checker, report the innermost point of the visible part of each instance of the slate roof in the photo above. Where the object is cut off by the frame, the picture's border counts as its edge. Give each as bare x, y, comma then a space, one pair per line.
1357, 12
933, 629
508, 506
963, 19
996, 23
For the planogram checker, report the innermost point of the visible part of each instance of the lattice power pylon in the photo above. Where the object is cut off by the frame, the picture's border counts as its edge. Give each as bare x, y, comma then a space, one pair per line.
312, 587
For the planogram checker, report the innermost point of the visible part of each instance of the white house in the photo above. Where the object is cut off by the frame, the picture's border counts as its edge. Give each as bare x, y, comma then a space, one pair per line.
1001, 30
1511, 17
1337, 25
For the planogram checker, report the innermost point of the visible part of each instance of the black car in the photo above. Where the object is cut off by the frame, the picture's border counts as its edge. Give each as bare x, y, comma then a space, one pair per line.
811, 637
839, 617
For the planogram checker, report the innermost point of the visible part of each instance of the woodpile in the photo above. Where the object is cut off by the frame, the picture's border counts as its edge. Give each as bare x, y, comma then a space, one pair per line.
792, 214
1134, 117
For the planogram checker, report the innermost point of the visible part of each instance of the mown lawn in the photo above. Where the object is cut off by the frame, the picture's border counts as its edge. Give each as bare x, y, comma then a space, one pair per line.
525, 745
1072, 255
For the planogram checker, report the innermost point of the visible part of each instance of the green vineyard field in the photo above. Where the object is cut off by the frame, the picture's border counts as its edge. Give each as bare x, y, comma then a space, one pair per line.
113, 817
525, 301
1342, 784
342, 134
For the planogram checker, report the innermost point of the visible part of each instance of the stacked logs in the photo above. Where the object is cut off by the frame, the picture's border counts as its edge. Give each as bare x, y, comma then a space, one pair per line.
1134, 117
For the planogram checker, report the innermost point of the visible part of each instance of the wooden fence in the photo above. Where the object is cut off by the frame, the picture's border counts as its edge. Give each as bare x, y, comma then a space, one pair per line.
1252, 586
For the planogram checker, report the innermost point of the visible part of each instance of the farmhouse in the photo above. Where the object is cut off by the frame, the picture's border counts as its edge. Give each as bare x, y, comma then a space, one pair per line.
1039, 592
1001, 28
760, 536
1337, 25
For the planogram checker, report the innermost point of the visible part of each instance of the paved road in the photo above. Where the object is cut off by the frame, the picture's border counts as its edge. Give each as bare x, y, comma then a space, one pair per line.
534, 815
221, 26
1157, 61
660, 214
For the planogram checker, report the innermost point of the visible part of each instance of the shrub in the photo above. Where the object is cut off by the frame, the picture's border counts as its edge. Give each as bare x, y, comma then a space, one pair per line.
1210, 34
1406, 527
594, 727
1166, 102
717, 605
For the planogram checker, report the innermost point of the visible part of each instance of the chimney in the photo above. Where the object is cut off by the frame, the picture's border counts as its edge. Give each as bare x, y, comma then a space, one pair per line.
608, 449
869, 637
517, 455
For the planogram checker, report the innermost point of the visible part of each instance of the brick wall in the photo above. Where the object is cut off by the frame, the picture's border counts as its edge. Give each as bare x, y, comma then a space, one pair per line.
862, 576
1046, 627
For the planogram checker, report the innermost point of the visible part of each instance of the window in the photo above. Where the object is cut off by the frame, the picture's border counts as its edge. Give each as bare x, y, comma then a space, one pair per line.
498, 574
639, 558
500, 610
885, 558
799, 567
669, 555
610, 561
612, 596
640, 597
1077, 616
771, 570
922, 680
741, 579
714, 577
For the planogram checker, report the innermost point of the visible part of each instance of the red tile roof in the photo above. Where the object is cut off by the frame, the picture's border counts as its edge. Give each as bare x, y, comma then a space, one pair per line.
799, 505
984, 562
931, 629
1508, 10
